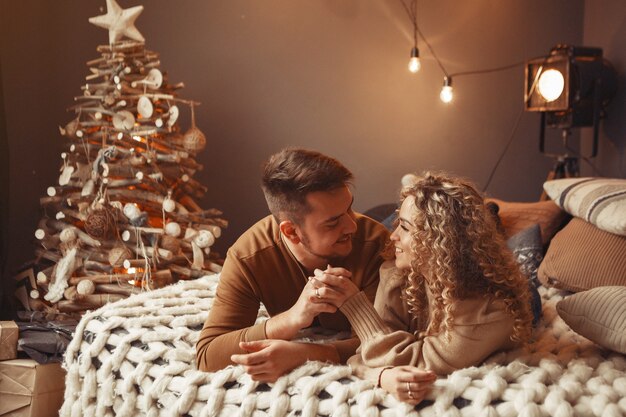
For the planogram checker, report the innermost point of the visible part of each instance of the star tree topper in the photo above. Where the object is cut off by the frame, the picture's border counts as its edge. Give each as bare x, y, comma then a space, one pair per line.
120, 22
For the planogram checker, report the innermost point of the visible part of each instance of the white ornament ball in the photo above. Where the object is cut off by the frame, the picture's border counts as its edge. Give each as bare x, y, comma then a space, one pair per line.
204, 239
40, 234
172, 229
131, 211
169, 205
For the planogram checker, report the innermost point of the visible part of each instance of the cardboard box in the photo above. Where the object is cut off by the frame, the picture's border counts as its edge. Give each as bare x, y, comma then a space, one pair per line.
9, 334
29, 389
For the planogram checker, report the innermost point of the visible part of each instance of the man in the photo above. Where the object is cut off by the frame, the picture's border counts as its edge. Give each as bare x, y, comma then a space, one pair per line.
312, 227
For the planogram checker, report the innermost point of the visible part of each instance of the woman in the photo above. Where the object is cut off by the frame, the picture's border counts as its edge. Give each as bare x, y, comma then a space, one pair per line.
453, 296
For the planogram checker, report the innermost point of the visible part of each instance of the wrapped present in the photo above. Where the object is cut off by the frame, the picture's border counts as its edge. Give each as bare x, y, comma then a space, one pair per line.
29, 389
8, 340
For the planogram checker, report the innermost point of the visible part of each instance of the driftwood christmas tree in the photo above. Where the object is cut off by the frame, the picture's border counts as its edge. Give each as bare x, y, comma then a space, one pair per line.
123, 218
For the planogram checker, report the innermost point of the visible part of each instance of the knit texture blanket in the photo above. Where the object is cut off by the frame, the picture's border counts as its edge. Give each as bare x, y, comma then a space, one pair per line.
136, 357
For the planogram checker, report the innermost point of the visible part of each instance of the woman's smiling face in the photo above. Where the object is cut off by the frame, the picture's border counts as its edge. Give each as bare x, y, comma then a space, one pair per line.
402, 235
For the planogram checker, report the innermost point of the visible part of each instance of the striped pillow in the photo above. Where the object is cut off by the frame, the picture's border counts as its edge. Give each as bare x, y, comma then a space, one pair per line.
599, 315
600, 201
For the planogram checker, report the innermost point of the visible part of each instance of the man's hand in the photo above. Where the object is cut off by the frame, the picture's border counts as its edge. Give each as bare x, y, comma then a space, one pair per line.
267, 360
334, 285
407, 383
301, 315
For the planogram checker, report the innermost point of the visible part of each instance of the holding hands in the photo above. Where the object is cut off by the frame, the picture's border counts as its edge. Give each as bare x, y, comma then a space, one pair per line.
333, 286
323, 293
266, 360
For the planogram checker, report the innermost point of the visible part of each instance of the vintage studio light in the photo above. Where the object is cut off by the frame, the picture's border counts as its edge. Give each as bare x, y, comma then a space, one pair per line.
570, 87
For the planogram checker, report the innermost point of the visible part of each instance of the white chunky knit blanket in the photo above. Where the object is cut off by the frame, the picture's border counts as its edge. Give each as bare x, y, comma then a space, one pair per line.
136, 357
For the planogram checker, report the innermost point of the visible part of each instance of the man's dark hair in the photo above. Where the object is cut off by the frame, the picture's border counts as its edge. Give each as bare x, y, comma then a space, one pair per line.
292, 173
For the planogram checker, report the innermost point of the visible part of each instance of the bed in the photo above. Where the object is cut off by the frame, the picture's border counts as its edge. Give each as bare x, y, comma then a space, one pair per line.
136, 357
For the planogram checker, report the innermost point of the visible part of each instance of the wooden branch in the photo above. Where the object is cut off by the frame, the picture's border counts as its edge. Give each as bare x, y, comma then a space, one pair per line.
157, 276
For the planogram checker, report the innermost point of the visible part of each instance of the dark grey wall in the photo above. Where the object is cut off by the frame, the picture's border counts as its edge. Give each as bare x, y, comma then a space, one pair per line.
325, 74
605, 26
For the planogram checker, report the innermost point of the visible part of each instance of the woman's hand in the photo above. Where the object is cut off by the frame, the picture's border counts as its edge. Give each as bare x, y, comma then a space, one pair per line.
334, 285
407, 383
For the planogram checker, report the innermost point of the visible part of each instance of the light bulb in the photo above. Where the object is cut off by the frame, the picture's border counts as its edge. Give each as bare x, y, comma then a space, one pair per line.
414, 62
446, 91
551, 84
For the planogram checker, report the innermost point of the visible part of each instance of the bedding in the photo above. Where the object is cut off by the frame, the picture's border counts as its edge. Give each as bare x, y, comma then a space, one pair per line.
136, 357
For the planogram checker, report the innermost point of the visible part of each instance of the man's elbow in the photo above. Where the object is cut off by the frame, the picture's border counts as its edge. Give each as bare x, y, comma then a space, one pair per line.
206, 361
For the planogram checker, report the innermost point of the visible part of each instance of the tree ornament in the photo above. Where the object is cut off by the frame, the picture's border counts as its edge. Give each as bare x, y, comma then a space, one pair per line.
173, 229
97, 224
123, 120
145, 107
194, 140
173, 113
169, 205
118, 254
120, 22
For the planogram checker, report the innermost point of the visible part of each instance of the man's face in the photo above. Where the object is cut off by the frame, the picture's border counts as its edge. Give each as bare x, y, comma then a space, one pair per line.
326, 231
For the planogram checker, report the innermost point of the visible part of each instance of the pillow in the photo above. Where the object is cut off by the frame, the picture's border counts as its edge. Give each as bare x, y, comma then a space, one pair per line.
600, 201
516, 217
527, 249
581, 257
599, 315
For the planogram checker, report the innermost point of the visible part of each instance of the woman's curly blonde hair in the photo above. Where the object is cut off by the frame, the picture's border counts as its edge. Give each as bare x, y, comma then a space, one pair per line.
458, 253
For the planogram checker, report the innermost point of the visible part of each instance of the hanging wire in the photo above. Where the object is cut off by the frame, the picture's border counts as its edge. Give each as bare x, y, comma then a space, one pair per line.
506, 148
432, 52
486, 71
412, 13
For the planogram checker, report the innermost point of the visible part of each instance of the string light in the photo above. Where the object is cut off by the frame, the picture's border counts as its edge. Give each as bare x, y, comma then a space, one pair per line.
446, 94
414, 61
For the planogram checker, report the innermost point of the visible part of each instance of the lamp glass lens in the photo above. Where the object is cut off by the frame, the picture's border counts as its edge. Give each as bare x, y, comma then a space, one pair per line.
551, 84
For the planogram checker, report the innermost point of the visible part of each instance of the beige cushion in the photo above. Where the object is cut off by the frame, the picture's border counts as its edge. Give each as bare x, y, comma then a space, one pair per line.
516, 217
581, 257
600, 201
599, 315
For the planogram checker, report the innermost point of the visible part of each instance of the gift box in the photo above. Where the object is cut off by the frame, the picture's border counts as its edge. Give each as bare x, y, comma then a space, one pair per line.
29, 389
9, 334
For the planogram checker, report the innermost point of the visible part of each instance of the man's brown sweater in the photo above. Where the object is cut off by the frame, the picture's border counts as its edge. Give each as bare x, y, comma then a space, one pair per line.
259, 268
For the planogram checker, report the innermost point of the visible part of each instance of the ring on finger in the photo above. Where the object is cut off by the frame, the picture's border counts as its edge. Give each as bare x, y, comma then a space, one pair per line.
408, 389
317, 293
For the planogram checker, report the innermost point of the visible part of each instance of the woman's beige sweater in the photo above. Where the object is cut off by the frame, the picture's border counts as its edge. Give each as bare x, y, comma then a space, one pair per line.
388, 333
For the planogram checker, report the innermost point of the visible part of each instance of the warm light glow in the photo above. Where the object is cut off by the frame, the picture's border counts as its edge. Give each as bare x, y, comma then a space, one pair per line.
446, 94
414, 65
414, 62
131, 270
137, 138
551, 84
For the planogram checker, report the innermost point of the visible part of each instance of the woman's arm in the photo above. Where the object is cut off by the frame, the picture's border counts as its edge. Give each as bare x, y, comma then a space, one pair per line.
480, 328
